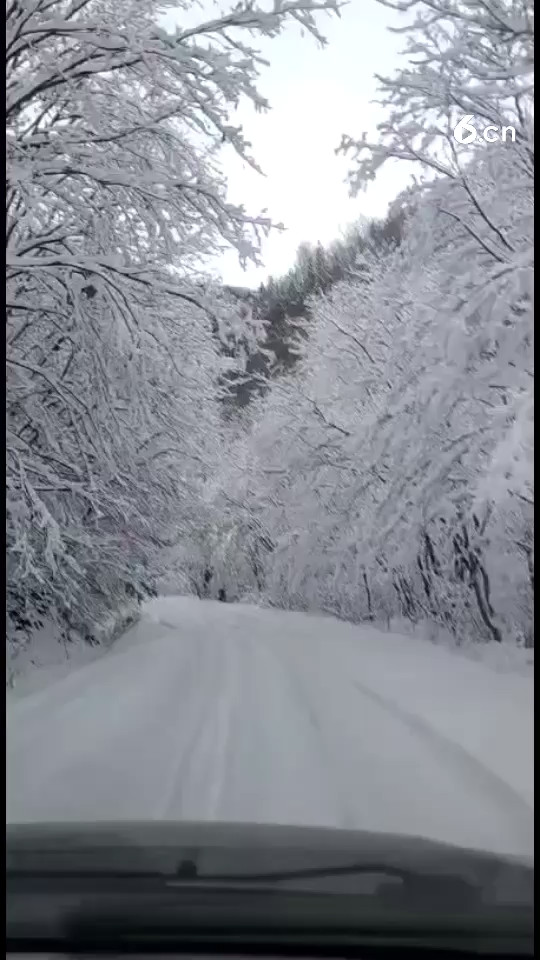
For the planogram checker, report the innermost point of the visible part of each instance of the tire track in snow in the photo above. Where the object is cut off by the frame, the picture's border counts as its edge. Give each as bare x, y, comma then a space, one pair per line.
345, 815
172, 794
397, 784
457, 755
86, 750
223, 742
195, 785
272, 768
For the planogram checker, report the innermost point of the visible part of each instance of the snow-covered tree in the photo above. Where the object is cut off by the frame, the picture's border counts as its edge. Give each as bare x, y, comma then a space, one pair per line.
396, 466
465, 58
114, 200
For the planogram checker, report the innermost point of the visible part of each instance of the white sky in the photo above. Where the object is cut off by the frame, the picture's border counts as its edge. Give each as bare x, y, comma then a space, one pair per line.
315, 95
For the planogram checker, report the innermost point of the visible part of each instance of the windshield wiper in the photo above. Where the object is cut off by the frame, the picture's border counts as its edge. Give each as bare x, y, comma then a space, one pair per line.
426, 886
187, 870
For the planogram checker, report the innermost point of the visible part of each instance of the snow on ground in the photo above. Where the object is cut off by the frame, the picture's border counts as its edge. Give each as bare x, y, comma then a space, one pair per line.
506, 657
45, 656
205, 710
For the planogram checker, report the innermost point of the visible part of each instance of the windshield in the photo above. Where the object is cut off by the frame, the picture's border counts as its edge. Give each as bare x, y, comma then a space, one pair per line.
270, 377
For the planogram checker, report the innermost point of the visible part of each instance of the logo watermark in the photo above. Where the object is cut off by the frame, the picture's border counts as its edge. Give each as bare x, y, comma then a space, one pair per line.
465, 132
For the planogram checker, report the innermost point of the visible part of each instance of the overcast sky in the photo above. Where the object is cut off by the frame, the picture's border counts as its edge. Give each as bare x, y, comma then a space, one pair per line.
315, 95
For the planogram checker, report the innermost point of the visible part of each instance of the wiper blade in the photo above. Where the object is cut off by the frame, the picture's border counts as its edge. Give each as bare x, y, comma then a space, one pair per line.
427, 886
187, 870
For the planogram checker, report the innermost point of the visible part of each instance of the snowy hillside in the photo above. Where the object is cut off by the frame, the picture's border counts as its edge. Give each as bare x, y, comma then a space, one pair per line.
212, 711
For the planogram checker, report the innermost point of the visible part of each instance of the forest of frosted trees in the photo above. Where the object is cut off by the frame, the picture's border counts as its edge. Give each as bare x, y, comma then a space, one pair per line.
380, 464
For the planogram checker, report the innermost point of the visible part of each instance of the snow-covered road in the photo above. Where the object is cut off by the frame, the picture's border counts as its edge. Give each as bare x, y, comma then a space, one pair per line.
212, 711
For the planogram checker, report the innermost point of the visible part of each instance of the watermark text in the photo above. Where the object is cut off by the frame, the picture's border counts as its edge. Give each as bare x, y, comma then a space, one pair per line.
466, 132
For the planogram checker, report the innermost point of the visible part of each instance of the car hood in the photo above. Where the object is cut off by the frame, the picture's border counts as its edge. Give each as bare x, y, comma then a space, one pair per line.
118, 884
214, 848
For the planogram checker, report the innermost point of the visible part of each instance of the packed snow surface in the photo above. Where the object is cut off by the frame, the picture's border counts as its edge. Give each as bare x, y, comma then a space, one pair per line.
205, 710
